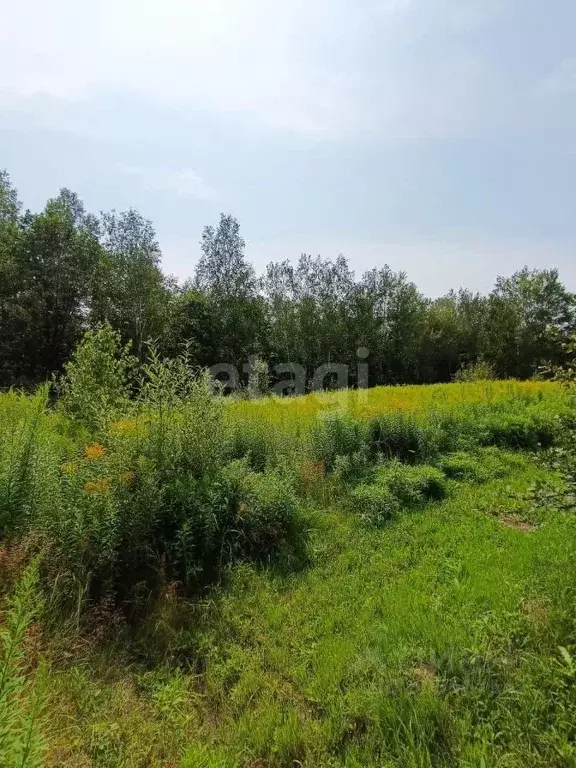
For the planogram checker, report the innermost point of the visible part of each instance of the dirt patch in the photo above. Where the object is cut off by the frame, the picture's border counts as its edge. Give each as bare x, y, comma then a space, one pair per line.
519, 525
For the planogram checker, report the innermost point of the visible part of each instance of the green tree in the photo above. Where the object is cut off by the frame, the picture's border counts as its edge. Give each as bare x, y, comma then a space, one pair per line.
97, 381
55, 255
234, 326
11, 316
530, 316
129, 290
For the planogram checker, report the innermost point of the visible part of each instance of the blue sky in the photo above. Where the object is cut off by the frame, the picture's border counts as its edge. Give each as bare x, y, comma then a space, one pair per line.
438, 136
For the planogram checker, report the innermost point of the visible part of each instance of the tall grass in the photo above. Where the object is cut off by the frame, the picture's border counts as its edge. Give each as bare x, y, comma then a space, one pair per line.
402, 644
408, 423
21, 695
150, 497
185, 482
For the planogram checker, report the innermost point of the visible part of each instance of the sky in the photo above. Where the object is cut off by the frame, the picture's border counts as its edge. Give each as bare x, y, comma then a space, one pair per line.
436, 136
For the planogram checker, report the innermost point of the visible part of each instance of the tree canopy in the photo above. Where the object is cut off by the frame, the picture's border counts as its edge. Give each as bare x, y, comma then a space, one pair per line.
64, 271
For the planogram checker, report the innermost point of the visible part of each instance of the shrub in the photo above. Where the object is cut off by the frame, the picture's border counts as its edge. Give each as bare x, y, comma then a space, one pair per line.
240, 515
354, 467
266, 515
481, 370
463, 466
454, 431
154, 497
412, 485
248, 443
374, 504
259, 378
97, 381
523, 430
30, 452
398, 436
335, 435
507, 424
497, 462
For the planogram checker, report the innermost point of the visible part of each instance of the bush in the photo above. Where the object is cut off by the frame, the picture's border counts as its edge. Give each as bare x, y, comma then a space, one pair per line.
31, 450
154, 498
412, 485
481, 370
335, 435
465, 467
374, 504
522, 430
127, 519
398, 436
250, 444
97, 381
354, 467
259, 378
266, 515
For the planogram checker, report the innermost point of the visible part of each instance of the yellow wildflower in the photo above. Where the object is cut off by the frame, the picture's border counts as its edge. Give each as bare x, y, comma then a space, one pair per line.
124, 425
94, 451
97, 486
69, 467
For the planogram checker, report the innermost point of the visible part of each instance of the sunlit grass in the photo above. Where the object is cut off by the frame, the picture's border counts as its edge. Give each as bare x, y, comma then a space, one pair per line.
421, 612
431, 642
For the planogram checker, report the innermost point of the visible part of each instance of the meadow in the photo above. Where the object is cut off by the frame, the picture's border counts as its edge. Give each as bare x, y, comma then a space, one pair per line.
356, 578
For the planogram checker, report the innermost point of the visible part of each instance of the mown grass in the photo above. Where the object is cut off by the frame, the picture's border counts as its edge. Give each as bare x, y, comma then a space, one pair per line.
348, 579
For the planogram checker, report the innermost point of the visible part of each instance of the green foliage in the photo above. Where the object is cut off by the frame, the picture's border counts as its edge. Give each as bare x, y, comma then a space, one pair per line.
64, 270
21, 744
405, 639
266, 514
463, 466
523, 430
249, 443
129, 290
259, 380
398, 436
97, 381
335, 435
412, 485
375, 504
31, 447
154, 498
353, 467
478, 371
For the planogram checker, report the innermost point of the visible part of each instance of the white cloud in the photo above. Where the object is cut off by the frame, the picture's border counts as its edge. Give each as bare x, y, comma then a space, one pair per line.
184, 183
323, 67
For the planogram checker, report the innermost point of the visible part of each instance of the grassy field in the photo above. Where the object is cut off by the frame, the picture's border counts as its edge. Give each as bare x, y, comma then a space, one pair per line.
381, 578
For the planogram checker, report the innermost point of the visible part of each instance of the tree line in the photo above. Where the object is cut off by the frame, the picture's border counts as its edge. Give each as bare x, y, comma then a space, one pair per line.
64, 271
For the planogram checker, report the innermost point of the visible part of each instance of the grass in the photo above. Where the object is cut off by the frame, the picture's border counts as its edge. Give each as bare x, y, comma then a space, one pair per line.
347, 579
434, 641
392, 420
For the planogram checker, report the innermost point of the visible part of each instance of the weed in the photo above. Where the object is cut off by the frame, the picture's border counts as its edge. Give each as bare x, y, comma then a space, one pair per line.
464, 466
374, 504
412, 485
337, 435
21, 743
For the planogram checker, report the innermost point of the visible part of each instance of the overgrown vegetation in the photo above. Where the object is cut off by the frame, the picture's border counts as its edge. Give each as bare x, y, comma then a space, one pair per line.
359, 578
